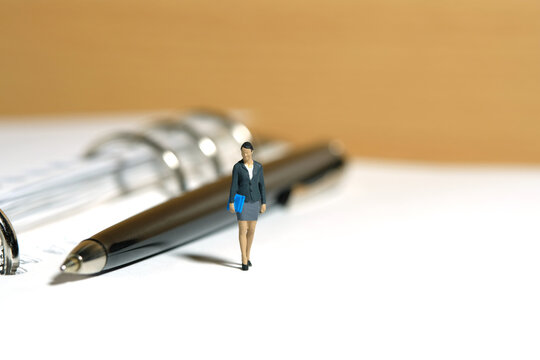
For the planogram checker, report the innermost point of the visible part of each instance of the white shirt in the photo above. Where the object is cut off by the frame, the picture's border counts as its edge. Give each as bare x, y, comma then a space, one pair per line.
250, 171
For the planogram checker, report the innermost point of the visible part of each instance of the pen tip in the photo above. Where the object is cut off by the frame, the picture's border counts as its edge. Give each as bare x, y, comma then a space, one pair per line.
71, 265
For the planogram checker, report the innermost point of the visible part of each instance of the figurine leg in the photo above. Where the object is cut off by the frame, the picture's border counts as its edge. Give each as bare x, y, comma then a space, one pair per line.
250, 235
242, 235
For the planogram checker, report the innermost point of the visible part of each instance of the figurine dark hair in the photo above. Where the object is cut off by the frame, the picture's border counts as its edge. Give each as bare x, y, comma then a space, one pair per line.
247, 145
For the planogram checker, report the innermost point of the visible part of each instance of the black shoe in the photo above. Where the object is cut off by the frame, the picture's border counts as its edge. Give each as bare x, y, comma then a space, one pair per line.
245, 267
249, 263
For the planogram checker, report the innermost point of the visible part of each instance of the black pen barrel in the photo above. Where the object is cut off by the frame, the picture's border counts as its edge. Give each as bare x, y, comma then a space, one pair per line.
202, 211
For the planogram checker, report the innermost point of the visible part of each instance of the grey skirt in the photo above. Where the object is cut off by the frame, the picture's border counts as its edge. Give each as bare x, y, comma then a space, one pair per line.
250, 211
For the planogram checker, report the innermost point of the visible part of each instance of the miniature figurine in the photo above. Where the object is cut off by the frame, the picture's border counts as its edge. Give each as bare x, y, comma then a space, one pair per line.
247, 180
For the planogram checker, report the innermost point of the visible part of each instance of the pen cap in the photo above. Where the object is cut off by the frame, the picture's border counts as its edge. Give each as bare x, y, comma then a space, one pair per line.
303, 167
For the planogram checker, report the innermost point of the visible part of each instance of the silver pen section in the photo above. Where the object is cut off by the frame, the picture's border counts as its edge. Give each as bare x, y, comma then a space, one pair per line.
195, 214
175, 154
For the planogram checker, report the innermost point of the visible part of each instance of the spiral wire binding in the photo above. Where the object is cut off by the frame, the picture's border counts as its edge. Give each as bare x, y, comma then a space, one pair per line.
9, 251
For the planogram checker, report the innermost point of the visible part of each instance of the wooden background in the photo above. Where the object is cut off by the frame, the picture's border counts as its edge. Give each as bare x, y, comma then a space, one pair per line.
430, 80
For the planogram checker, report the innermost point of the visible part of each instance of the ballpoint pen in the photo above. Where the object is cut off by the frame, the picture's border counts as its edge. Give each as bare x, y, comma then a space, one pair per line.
194, 214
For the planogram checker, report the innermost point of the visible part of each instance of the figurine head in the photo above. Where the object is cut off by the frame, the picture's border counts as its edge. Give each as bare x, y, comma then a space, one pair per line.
247, 151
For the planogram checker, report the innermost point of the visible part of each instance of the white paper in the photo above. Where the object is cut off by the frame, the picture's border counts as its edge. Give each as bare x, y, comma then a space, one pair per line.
396, 261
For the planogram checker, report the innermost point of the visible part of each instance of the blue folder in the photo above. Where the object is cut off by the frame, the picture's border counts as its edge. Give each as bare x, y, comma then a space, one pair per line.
238, 203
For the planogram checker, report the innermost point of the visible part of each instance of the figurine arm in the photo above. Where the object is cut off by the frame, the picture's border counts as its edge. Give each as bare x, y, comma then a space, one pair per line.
234, 185
262, 189
233, 190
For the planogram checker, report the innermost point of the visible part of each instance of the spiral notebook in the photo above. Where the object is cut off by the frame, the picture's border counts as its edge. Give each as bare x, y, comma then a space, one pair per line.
173, 154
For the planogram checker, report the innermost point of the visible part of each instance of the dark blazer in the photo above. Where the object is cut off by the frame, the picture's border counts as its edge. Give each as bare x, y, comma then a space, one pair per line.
252, 189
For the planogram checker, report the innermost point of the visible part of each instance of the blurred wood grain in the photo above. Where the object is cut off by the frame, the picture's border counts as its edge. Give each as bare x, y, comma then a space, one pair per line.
431, 80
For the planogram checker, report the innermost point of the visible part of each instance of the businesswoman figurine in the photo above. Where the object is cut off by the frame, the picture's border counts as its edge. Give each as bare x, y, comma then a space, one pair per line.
247, 180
